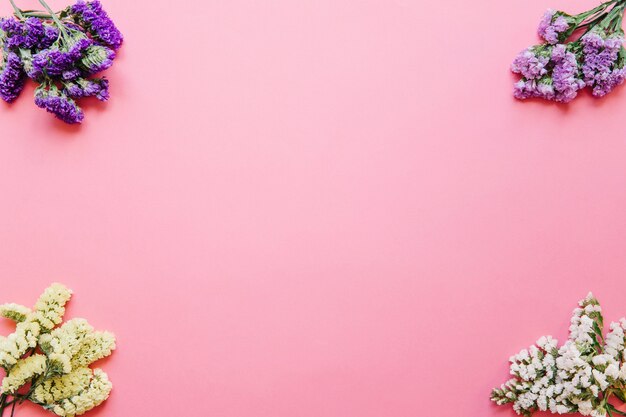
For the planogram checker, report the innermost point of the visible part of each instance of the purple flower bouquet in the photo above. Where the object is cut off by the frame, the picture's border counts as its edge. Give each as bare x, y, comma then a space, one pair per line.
583, 50
60, 51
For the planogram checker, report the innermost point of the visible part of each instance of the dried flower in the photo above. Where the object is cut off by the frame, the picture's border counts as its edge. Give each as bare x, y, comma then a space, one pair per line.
92, 16
11, 78
60, 51
58, 103
560, 67
59, 378
555, 26
578, 377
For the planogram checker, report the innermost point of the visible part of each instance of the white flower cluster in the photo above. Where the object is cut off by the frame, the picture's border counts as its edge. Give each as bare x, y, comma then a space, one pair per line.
48, 312
53, 390
15, 312
22, 372
94, 395
577, 377
59, 378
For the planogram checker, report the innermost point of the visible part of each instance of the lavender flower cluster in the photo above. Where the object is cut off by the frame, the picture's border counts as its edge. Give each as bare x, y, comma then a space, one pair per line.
579, 51
61, 52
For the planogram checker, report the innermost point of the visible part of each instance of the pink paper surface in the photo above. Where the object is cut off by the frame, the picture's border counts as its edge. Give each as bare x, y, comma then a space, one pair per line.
316, 208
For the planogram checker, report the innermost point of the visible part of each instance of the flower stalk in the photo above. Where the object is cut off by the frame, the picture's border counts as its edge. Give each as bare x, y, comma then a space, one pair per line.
18, 12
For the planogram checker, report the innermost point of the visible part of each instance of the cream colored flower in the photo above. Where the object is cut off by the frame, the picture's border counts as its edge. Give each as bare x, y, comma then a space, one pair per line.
66, 339
50, 307
23, 371
17, 343
96, 345
15, 312
59, 364
53, 390
97, 392
62, 380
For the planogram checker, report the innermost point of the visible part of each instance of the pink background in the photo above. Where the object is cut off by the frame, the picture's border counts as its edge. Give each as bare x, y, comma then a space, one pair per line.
317, 208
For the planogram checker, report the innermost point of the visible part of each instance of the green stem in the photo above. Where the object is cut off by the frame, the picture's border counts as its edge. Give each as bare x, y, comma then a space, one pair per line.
618, 22
593, 11
615, 410
3, 400
18, 12
37, 14
594, 21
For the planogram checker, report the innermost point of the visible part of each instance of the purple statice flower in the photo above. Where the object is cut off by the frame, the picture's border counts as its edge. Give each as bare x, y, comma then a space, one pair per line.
555, 26
49, 63
97, 87
602, 68
11, 78
97, 58
560, 77
524, 89
565, 74
50, 35
103, 94
29, 34
58, 103
34, 31
531, 63
79, 47
95, 20
13, 31
10, 25
73, 90
54, 63
71, 74
541, 88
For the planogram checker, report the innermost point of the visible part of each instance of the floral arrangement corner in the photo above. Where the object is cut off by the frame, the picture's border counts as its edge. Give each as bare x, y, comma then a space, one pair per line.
61, 52
578, 51
586, 375
49, 365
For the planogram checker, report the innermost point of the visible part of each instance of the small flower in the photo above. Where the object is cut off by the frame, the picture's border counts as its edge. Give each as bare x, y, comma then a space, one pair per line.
555, 26
17, 343
96, 345
566, 74
29, 34
60, 61
92, 16
16, 312
96, 59
531, 63
58, 103
95, 394
11, 78
55, 389
50, 306
542, 88
603, 62
22, 372
67, 339
98, 87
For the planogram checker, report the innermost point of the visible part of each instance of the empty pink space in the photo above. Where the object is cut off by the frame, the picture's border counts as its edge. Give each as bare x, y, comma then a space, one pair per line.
316, 208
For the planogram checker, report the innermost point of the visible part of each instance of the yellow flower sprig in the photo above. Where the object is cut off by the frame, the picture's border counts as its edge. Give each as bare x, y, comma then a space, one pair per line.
48, 364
